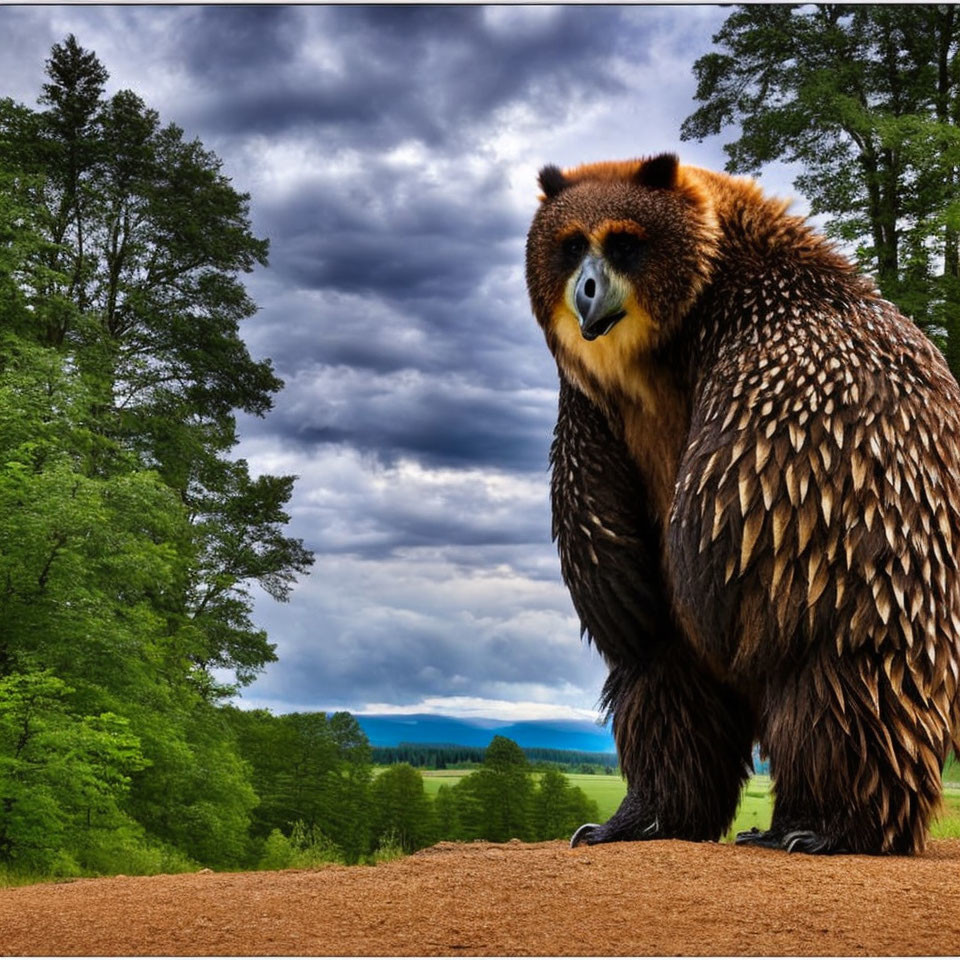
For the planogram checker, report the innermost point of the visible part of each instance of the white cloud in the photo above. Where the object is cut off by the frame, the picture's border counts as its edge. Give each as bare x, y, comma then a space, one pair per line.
480, 708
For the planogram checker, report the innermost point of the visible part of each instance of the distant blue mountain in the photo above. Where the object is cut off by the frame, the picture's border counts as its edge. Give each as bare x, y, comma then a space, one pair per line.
393, 729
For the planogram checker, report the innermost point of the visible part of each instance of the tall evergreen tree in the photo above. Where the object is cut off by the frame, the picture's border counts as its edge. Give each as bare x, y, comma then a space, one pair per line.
146, 240
401, 808
498, 798
867, 100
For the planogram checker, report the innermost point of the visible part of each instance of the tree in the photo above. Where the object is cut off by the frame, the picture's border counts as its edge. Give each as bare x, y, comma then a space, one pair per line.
499, 794
558, 808
866, 99
129, 538
349, 789
401, 808
144, 240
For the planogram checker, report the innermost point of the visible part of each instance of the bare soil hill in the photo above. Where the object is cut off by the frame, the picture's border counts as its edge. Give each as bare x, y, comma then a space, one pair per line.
513, 899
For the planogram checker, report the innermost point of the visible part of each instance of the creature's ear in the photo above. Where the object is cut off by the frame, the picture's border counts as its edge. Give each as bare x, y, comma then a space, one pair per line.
552, 181
659, 173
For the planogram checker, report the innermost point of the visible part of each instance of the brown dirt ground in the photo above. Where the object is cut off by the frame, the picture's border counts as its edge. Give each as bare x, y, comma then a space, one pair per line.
660, 897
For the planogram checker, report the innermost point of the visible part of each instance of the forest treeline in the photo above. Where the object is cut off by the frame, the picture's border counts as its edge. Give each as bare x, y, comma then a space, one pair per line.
444, 756
320, 799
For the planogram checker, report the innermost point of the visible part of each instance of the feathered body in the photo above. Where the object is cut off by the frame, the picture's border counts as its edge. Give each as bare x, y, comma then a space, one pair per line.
756, 496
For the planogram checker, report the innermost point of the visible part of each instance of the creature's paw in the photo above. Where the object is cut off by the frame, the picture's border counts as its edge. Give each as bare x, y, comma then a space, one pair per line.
612, 831
760, 838
794, 841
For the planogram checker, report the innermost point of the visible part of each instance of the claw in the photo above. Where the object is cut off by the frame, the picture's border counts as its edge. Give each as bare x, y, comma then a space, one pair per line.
796, 841
583, 833
610, 832
806, 841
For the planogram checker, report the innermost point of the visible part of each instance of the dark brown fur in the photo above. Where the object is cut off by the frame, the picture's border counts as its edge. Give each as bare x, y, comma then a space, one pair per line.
755, 494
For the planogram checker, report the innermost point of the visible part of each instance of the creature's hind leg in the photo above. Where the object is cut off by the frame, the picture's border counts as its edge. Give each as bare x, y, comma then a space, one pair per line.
684, 742
856, 762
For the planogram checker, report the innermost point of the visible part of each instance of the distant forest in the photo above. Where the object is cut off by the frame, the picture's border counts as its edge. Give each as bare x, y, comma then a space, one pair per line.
444, 756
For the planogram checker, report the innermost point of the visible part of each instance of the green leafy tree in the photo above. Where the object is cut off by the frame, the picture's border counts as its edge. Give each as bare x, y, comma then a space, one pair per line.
559, 808
497, 805
865, 99
144, 241
62, 776
401, 809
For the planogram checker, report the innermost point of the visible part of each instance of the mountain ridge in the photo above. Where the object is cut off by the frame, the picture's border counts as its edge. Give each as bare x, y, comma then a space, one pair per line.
389, 730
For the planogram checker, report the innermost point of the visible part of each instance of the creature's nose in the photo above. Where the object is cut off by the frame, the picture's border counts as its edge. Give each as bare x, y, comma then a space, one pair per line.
591, 290
598, 305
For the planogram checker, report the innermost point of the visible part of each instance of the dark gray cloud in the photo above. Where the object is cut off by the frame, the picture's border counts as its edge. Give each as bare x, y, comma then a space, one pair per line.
385, 231
376, 74
223, 44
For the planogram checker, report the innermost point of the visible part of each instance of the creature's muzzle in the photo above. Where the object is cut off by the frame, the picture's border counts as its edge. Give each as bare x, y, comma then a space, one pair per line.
599, 304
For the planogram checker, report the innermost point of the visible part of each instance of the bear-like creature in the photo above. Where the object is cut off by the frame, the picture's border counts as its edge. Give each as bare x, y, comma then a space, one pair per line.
756, 498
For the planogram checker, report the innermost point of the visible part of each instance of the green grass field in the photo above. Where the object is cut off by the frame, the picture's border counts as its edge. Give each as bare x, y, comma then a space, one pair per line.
756, 802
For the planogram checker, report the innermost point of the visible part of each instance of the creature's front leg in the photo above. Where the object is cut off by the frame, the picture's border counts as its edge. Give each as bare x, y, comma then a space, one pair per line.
684, 742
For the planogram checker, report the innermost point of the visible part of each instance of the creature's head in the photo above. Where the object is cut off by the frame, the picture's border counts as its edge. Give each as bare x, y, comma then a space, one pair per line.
616, 256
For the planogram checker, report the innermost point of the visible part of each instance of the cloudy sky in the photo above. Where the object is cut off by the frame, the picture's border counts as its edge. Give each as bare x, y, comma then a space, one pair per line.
391, 154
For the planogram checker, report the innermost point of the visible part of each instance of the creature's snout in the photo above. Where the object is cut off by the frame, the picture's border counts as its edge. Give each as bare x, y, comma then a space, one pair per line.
599, 305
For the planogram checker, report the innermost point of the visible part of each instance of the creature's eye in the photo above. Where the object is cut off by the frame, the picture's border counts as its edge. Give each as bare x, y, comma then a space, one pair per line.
624, 250
572, 249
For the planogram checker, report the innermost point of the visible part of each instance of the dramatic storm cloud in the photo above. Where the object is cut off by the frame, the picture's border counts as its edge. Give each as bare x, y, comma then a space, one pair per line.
391, 155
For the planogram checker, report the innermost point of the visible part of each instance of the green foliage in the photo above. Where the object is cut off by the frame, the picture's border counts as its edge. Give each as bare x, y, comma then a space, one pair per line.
389, 848
129, 540
867, 100
312, 848
197, 795
446, 814
62, 777
559, 808
305, 848
401, 809
496, 799
278, 852
312, 774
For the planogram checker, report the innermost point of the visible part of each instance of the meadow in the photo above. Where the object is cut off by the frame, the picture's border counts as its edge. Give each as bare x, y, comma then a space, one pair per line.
756, 801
